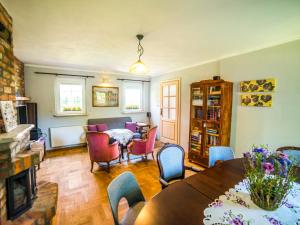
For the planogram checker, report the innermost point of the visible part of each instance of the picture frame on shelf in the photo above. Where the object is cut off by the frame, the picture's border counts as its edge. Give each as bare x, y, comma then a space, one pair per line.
9, 115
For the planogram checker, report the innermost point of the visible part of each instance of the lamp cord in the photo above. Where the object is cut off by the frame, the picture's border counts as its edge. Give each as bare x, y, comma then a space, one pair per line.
140, 50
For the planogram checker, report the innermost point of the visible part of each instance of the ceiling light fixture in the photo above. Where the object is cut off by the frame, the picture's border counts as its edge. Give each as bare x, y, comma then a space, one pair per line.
139, 67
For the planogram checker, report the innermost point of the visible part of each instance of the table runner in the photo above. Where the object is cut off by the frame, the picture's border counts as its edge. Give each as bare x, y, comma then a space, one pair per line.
236, 208
123, 136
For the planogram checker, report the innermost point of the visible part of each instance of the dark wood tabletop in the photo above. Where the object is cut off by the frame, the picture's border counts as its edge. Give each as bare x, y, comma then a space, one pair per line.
183, 202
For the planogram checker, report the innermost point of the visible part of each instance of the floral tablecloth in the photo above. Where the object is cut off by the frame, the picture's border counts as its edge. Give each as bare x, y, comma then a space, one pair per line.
236, 208
123, 136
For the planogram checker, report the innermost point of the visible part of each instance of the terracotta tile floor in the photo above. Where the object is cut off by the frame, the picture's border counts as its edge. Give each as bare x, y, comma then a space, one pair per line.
82, 198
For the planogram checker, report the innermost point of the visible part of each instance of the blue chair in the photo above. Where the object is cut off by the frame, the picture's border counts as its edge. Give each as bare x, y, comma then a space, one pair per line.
125, 185
170, 160
292, 152
219, 153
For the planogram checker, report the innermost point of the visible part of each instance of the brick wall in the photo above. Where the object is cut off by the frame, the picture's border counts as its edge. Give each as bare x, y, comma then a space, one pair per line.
11, 69
11, 84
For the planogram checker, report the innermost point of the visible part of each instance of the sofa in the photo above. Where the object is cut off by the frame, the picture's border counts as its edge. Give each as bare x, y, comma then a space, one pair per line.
112, 123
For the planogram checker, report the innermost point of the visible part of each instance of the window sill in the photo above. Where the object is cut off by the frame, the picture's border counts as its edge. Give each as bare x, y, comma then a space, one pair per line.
67, 115
134, 112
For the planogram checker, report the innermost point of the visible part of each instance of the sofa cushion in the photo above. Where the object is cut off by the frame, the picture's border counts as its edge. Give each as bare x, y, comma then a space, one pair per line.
112, 123
131, 126
132, 213
92, 128
101, 127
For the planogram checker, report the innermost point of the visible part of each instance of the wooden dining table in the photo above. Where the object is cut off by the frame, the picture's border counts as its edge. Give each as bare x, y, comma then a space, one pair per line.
183, 202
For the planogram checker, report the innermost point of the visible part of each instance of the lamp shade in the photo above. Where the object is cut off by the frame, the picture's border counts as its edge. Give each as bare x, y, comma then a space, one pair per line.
138, 68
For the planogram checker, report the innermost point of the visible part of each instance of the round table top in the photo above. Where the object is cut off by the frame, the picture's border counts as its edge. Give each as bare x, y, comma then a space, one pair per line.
184, 201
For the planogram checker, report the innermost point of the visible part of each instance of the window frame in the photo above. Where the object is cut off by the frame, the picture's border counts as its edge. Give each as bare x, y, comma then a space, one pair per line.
127, 84
58, 82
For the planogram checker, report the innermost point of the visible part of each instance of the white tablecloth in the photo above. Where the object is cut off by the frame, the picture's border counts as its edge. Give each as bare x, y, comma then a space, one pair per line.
123, 136
237, 208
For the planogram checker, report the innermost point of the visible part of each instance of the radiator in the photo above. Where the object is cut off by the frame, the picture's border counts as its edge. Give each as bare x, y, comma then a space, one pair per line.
66, 136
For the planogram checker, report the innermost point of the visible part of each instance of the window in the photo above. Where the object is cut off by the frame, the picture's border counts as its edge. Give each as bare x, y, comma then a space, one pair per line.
69, 96
133, 95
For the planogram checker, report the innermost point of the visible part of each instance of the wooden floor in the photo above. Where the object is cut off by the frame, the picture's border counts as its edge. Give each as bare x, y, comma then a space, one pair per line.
82, 198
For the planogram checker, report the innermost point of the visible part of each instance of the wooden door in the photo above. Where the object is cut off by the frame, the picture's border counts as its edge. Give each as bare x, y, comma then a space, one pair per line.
169, 111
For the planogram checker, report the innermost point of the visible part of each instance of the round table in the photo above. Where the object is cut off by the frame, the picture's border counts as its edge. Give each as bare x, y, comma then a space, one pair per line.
184, 201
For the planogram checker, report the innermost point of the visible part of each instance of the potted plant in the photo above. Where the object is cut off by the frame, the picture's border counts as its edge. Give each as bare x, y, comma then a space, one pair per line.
270, 176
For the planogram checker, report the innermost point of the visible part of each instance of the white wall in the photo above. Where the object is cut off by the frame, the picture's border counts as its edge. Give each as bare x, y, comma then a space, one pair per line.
276, 126
40, 88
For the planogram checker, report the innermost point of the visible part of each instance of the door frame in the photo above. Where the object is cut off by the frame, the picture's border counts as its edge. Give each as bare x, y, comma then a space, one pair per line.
178, 109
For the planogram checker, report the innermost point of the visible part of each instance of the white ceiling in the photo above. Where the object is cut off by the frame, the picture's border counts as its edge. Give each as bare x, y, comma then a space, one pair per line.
99, 35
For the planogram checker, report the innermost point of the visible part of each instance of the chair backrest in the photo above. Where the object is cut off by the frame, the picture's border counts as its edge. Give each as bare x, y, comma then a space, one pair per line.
97, 145
222, 153
292, 152
124, 185
170, 160
151, 139
131, 126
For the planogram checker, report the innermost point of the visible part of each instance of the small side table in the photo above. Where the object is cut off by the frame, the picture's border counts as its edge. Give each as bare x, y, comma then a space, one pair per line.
143, 128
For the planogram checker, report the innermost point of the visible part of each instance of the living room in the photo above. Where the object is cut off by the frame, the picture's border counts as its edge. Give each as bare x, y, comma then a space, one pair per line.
99, 98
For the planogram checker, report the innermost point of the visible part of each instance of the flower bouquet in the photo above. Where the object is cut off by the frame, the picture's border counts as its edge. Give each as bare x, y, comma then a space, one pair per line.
270, 176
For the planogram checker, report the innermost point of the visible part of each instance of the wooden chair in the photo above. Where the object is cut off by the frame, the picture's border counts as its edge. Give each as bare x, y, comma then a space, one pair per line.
170, 160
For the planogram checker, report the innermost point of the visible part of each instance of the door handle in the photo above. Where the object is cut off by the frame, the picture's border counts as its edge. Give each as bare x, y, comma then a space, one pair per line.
161, 111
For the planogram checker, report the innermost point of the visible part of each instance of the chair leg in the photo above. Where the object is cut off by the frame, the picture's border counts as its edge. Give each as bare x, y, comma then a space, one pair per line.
108, 167
120, 159
146, 157
128, 156
92, 166
153, 155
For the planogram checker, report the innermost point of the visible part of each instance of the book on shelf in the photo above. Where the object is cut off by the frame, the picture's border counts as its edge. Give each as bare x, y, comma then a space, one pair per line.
212, 140
211, 131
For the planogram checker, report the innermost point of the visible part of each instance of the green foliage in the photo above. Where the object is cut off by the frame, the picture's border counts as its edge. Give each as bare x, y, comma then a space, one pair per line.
270, 177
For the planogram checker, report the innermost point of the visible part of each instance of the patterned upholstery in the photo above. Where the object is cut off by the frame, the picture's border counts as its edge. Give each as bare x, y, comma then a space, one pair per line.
221, 153
292, 152
125, 186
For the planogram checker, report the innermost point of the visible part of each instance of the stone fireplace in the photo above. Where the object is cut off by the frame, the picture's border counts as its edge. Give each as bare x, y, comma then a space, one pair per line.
20, 193
22, 201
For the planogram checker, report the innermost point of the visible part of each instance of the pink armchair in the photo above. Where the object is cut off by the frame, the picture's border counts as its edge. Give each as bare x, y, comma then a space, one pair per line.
143, 146
100, 150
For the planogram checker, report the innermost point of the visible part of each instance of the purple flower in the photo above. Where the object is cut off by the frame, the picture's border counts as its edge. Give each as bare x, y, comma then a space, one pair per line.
247, 155
282, 155
236, 221
284, 161
268, 167
261, 150
273, 220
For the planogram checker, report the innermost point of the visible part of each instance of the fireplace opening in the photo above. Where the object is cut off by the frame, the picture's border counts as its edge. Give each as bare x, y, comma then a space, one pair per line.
21, 191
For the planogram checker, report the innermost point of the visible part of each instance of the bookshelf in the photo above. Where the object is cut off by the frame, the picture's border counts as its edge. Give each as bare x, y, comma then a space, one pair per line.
210, 118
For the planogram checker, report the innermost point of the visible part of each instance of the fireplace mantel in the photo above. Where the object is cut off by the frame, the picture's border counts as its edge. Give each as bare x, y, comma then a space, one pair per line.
13, 156
16, 134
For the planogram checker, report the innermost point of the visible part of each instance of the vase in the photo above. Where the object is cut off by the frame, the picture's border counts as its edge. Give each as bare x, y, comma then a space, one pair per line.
266, 202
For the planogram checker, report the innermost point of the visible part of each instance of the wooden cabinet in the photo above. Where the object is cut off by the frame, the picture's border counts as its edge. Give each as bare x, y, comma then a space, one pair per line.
210, 118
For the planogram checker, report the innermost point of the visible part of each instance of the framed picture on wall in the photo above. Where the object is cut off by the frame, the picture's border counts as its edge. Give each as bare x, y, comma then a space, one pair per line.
105, 96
